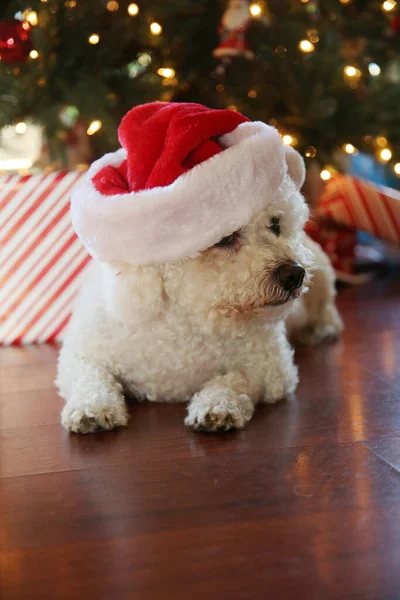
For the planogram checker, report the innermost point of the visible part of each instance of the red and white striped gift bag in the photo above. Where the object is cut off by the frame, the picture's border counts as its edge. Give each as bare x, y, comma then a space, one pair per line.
41, 259
363, 205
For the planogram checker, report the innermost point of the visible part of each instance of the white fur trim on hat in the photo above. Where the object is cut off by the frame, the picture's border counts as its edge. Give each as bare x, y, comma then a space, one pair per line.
205, 204
296, 166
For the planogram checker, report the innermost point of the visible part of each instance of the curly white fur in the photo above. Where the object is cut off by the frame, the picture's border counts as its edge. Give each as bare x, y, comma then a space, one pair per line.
203, 330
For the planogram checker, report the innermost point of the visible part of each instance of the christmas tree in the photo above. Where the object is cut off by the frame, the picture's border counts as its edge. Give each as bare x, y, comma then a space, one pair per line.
325, 72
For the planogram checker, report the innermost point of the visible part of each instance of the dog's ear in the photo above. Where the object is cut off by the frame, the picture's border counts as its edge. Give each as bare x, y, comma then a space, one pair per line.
133, 294
296, 166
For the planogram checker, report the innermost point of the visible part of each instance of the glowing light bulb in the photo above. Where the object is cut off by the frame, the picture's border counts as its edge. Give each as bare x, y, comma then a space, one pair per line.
374, 69
389, 5
144, 59
381, 141
344, 1
287, 139
26, 26
396, 168
350, 71
32, 18
112, 6
133, 9
255, 10
166, 72
21, 128
252, 94
34, 54
350, 149
306, 46
385, 154
94, 127
313, 36
325, 175
155, 28
310, 152
94, 39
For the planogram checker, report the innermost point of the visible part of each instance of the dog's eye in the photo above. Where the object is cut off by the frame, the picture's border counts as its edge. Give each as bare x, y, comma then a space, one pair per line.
275, 226
229, 241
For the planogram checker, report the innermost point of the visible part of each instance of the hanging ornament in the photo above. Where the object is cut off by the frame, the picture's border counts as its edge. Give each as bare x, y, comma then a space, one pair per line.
15, 43
232, 33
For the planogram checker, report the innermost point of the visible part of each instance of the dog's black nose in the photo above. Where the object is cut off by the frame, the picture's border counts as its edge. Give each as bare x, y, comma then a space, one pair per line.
290, 276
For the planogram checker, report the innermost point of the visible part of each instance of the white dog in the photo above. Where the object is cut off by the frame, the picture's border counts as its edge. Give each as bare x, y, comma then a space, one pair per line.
209, 328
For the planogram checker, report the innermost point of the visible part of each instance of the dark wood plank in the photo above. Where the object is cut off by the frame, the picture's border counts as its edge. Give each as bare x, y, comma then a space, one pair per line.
27, 355
26, 377
304, 503
302, 514
338, 400
388, 449
29, 409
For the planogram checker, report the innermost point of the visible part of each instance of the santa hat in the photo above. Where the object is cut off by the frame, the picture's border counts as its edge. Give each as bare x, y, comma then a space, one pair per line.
186, 177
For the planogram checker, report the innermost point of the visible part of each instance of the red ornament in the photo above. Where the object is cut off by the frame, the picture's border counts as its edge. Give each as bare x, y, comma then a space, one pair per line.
233, 29
15, 41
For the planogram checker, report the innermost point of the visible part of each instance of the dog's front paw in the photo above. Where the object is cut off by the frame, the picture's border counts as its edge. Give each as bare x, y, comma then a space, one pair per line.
86, 417
279, 385
327, 329
219, 409
315, 335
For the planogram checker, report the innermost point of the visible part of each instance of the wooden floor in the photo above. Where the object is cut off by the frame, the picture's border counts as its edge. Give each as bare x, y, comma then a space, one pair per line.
303, 504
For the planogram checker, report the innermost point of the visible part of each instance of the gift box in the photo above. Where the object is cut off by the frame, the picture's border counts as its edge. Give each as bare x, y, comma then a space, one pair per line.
41, 259
362, 205
339, 243
348, 206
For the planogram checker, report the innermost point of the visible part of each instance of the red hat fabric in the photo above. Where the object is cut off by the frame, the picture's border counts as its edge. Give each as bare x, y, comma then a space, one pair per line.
185, 177
164, 141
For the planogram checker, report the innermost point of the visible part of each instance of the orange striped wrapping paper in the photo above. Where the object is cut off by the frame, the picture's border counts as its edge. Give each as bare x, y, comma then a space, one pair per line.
41, 259
362, 205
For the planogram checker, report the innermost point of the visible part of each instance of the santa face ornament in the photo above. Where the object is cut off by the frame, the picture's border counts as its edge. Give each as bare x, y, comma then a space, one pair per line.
233, 31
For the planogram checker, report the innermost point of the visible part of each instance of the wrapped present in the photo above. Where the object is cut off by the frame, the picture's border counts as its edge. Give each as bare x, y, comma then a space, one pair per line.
346, 207
362, 205
339, 243
41, 259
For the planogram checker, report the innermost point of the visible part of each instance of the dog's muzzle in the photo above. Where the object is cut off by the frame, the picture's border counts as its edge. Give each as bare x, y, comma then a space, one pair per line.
290, 276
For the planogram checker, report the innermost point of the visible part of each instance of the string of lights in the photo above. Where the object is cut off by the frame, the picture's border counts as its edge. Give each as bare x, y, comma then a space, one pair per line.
354, 73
